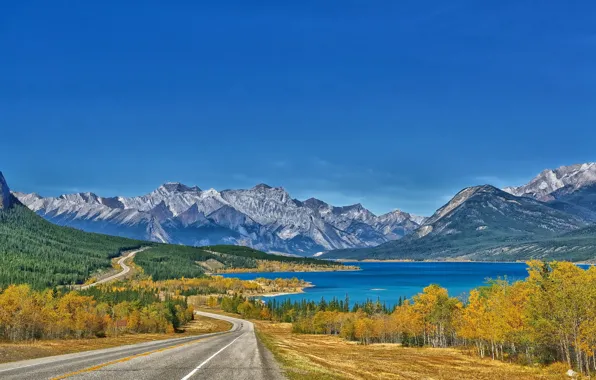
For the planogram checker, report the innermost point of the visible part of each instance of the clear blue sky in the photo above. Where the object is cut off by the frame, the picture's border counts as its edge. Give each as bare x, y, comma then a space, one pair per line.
394, 104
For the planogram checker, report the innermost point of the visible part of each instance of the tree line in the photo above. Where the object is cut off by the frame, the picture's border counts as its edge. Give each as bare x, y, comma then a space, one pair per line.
28, 314
134, 306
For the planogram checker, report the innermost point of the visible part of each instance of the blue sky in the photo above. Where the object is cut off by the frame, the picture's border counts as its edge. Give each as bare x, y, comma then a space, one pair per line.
394, 104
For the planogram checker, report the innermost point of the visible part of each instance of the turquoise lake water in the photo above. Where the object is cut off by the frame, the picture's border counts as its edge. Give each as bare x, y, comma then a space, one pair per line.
389, 281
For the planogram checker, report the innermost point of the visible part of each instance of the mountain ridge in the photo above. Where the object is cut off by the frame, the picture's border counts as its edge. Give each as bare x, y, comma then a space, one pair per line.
571, 178
479, 223
263, 217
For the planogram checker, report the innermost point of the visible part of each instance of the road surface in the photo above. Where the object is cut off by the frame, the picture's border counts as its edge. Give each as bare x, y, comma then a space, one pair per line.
232, 355
123, 272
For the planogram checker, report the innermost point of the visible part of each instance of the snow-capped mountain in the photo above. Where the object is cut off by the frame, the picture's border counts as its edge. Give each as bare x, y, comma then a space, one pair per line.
570, 178
398, 223
473, 224
568, 188
263, 217
486, 210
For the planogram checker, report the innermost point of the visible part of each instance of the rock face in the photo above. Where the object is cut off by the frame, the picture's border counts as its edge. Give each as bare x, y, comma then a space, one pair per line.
570, 178
263, 217
5, 196
568, 188
486, 210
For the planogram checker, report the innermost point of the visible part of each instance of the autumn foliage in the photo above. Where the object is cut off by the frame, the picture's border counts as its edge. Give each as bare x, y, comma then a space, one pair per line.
549, 317
135, 306
26, 314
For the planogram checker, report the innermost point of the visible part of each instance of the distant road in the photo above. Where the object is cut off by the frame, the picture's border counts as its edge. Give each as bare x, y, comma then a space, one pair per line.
125, 269
231, 355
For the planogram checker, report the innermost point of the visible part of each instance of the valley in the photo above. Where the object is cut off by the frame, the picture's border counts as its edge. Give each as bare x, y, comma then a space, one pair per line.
384, 306
544, 219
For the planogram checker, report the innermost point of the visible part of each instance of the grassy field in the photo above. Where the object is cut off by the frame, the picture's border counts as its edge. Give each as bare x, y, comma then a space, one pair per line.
30, 350
327, 357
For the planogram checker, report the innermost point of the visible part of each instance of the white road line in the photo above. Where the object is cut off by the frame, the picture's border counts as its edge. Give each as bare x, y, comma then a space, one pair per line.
211, 357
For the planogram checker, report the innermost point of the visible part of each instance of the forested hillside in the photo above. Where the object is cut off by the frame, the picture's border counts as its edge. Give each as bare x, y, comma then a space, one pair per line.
247, 252
36, 252
41, 254
168, 261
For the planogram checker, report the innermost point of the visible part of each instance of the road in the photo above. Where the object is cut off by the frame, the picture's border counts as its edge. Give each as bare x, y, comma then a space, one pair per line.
233, 355
122, 273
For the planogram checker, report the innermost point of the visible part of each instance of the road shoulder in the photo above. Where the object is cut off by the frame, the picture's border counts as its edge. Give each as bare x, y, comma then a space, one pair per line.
19, 351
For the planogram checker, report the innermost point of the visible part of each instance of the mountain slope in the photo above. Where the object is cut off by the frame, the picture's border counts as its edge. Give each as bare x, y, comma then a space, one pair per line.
491, 212
263, 217
571, 178
397, 224
476, 220
568, 188
5, 196
40, 253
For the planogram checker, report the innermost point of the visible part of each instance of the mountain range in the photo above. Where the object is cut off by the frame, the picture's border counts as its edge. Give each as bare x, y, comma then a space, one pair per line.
262, 217
42, 254
551, 217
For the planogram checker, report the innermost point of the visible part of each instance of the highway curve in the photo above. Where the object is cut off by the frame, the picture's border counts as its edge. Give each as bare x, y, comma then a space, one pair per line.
122, 273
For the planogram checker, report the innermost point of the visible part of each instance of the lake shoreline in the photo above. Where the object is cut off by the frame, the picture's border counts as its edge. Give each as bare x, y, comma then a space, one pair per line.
451, 261
277, 294
249, 271
388, 281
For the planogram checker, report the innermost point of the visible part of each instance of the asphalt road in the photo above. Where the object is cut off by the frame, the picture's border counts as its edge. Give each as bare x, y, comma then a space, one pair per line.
123, 272
236, 354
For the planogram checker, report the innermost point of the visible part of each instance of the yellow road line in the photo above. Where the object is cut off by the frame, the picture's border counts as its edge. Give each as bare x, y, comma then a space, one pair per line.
122, 360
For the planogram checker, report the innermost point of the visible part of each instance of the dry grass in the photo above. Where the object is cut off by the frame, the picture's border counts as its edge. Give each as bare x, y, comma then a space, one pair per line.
21, 351
328, 357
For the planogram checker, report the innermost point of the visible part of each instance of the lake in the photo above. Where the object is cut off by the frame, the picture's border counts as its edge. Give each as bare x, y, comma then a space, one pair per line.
390, 280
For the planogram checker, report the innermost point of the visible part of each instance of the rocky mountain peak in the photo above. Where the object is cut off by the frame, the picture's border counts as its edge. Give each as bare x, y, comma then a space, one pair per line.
263, 216
315, 203
460, 198
262, 186
210, 193
356, 206
395, 215
5, 196
177, 187
570, 177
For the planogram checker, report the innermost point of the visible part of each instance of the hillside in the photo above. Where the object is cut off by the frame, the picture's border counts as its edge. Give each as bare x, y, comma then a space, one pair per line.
485, 223
42, 254
167, 261
39, 253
